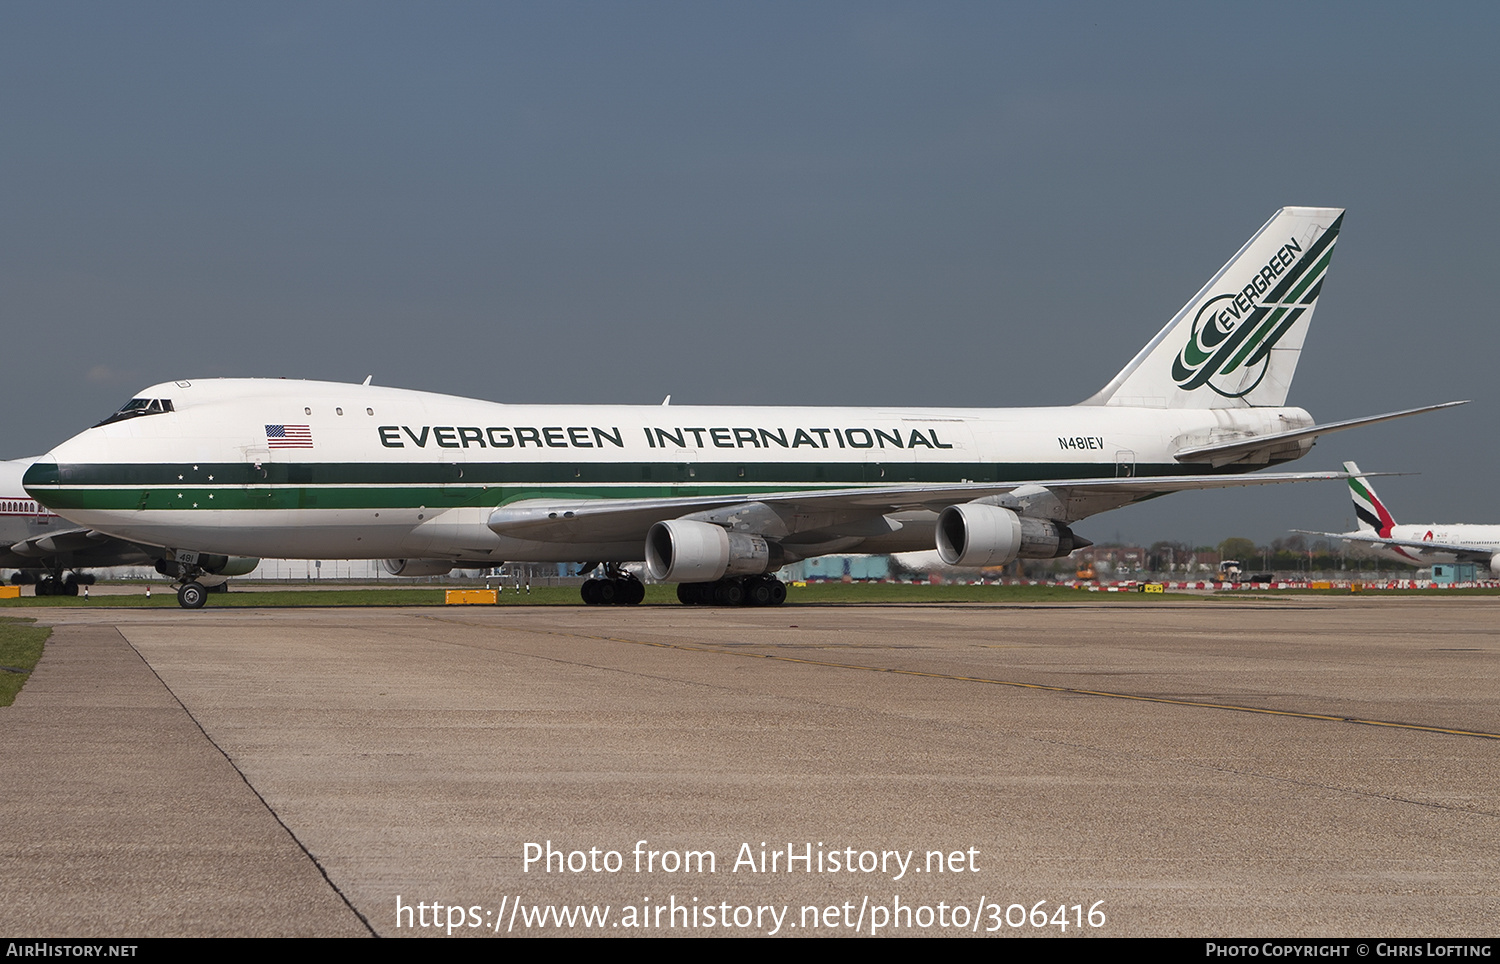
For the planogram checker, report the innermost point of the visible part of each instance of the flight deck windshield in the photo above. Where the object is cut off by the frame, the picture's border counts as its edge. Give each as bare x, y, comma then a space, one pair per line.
137, 407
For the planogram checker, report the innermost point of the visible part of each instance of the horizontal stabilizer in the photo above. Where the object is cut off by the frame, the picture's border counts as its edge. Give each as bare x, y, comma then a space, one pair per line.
1225, 452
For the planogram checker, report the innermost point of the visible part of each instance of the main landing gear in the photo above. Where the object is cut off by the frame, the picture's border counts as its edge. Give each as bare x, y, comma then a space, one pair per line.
60, 585
192, 594
617, 588
763, 590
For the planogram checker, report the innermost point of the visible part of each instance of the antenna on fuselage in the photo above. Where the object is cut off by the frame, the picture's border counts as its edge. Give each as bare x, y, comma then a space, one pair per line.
666, 401
367, 379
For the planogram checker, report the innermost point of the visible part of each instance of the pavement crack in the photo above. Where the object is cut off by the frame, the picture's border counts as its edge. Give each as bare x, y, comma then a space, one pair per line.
250, 786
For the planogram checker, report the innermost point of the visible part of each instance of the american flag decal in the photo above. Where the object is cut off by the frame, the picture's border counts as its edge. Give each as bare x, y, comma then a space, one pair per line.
289, 436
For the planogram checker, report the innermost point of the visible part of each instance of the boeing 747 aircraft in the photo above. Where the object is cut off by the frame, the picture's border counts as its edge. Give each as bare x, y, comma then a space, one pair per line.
715, 499
1419, 543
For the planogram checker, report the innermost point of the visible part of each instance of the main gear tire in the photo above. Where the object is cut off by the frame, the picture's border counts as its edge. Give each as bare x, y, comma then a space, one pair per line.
191, 595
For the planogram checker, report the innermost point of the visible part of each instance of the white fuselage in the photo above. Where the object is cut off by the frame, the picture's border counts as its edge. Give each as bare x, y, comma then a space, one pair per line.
284, 468
1479, 538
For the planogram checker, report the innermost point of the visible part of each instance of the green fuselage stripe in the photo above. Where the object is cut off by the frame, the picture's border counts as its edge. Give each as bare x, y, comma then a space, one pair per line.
358, 485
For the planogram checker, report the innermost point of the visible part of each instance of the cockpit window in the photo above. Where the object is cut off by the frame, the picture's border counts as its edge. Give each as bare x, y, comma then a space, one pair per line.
137, 407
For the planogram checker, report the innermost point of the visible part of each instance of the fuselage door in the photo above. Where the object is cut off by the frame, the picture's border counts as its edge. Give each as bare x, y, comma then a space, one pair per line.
258, 458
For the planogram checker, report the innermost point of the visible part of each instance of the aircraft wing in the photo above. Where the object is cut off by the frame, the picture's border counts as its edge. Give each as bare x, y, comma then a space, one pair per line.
1464, 553
851, 510
76, 547
66, 540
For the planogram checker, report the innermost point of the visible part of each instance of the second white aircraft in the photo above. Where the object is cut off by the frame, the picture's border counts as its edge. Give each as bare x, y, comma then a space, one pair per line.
715, 499
1421, 543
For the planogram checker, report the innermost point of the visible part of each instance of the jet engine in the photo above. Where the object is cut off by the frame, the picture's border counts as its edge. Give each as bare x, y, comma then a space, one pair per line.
974, 534
683, 551
230, 565
1495, 565
418, 567
211, 563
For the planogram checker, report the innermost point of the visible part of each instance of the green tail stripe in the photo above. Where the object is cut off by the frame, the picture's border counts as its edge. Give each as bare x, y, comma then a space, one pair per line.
1317, 253
1312, 276
1193, 355
1255, 339
1270, 343
1261, 334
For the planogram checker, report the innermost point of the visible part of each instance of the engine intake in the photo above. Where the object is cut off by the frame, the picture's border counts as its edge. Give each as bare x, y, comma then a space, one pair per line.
975, 535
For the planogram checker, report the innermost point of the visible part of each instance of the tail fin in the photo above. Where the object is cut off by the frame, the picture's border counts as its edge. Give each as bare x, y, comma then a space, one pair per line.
1371, 512
1236, 343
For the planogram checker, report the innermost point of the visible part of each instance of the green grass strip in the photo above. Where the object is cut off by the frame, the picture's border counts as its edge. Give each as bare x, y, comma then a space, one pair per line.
20, 648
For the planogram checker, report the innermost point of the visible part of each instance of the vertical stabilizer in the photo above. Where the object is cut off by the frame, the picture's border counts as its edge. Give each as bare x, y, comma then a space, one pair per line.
1236, 343
1371, 512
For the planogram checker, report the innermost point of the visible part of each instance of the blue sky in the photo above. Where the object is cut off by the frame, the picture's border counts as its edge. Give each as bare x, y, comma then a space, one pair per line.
931, 204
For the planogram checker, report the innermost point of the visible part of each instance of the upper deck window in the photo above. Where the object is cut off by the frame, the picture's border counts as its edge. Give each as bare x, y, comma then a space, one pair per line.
137, 407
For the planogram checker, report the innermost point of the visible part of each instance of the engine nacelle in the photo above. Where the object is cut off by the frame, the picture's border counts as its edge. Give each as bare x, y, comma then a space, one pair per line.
682, 551
229, 565
209, 562
1495, 566
418, 567
975, 535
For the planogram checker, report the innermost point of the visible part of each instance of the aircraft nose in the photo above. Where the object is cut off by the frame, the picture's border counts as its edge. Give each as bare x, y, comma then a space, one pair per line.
41, 474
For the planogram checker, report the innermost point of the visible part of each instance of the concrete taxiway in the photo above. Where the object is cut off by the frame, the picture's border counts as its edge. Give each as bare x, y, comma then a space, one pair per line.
1287, 767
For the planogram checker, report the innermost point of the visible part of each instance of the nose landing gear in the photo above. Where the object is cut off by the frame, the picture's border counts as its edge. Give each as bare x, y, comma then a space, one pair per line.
185, 571
191, 595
